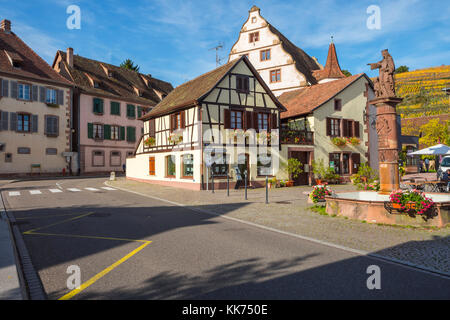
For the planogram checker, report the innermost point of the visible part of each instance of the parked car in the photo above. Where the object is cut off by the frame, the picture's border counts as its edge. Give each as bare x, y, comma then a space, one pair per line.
444, 166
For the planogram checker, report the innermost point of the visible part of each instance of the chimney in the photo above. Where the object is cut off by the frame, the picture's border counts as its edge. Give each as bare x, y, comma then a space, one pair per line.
70, 57
5, 25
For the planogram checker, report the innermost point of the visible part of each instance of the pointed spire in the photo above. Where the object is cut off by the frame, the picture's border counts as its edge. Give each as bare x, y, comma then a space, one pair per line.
332, 70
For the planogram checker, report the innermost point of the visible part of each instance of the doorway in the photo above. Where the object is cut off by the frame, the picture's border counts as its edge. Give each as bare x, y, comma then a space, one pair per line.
303, 157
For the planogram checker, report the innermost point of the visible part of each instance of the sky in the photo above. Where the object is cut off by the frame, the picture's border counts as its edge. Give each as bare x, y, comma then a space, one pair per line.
173, 39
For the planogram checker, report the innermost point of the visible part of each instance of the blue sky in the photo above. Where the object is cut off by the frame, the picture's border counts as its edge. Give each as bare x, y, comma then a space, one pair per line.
170, 39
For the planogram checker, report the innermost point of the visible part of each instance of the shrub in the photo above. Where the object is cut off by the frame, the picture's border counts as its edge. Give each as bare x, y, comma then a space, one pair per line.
366, 178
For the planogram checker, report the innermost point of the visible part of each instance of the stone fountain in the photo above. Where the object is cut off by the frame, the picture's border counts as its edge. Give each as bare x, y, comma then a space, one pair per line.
370, 205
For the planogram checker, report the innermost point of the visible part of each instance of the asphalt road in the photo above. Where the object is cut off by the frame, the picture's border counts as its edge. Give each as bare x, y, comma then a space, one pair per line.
132, 247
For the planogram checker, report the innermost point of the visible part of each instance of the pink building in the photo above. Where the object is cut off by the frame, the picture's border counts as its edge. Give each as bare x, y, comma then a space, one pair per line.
107, 104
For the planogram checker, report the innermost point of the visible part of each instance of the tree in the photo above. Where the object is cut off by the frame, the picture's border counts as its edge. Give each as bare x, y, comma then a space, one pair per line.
402, 69
434, 132
346, 73
129, 64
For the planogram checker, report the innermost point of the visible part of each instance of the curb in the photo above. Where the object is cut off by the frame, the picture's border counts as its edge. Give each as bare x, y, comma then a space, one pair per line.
29, 280
374, 256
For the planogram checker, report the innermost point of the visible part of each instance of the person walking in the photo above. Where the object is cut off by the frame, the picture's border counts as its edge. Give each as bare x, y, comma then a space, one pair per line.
427, 164
238, 178
446, 179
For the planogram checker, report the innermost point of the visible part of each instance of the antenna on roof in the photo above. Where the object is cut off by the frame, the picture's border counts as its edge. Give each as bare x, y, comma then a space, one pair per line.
217, 48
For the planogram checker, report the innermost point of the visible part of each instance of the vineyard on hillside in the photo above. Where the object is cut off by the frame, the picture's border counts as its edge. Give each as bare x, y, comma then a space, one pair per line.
422, 92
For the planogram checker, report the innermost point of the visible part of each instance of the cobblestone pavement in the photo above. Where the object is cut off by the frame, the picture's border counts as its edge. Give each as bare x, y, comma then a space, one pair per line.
288, 210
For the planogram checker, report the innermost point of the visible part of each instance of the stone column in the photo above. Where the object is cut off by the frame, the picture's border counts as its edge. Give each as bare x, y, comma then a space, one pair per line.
387, 143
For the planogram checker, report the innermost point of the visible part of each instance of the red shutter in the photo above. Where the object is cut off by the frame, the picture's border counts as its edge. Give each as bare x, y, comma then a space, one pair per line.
255, 120
226, 119
345, 132
356, 161
328, 127
248, 120
172, 123
356, 129
151, 128
183, 119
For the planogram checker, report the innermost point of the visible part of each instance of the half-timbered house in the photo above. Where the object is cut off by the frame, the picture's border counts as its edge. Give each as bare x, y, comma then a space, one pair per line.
216, 124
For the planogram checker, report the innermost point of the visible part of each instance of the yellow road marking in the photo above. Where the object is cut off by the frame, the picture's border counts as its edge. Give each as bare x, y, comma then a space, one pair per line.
60, 222
103, 273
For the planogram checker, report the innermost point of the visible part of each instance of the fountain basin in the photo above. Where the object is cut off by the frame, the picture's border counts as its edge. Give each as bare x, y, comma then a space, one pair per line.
369, 206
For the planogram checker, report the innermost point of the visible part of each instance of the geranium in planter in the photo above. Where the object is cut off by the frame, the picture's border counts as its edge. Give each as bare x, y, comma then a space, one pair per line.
413, 201
338, 141
319, 192
353, 141
149, 142
175, 138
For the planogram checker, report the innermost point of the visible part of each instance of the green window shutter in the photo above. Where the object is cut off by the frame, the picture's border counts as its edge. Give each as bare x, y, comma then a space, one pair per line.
131, 112
107, 132
139, 112
98, 105
90, 131
131, 134
122, 133
115, 108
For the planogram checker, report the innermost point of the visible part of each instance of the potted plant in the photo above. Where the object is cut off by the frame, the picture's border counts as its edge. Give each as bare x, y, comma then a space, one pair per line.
319, 170
353, 141
338, 141
175, 138
413, 201
150, 141
319, 192
295, 168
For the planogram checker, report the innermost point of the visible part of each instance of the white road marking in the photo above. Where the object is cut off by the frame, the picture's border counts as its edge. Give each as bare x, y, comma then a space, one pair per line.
109, 189
54, 190
92, 189
74, 189
35, 192
14, 193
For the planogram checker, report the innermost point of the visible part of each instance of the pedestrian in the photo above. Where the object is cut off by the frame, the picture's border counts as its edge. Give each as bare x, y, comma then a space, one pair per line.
432, 165
124, 167
427, 164
446, 179
238, 178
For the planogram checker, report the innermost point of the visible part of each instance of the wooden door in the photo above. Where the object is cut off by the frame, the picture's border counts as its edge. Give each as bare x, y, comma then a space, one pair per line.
302, 156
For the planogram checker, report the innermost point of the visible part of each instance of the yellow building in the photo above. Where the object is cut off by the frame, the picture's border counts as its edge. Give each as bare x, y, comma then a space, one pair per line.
35, 108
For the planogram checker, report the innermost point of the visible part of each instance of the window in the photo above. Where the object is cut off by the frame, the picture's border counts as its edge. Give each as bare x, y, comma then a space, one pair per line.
236, 119
335, 127
130, 154
170, 166
151, 166
115, 159
24, 91
253, 37
98, 158
265, 55
337, 104
263, 121
98, 106
131, 134
98, 131
115, 108
52, 126
51, 96
335, 162
264, 165
275, 75
345, 163
131, 111
188, 166
242, 84
23, 150
23, 122
177, 121
253, 19
8, 157
115, 132
349, 128
51, 151
220, 165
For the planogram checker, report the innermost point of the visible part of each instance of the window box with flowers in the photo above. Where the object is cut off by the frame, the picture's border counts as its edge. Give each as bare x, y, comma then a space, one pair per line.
411, 202
149, 142
319, 192
353, 141
175, 138
338, 141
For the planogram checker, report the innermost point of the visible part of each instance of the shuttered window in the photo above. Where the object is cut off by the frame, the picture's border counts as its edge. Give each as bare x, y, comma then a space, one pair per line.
52, 126
139, 112
23, 123
131, 134
3, 120
236, 119
151, 166
242, 84
107, 132
115, 108
24, 91
98, 106
131, 111
5, 88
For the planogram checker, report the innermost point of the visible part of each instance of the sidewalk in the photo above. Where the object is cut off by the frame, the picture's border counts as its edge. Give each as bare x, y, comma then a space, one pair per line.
288, 211
9, 280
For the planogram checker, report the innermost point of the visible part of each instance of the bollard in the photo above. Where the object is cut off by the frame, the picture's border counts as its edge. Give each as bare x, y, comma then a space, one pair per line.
267, 190
112, 176
212, 178
245, 181
228, 185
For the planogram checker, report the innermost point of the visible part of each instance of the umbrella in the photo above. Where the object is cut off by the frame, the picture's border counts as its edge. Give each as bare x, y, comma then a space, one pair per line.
439, 149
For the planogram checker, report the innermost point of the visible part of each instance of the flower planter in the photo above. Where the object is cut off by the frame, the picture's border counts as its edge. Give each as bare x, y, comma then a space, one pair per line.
318, 181
290, 183
411, 205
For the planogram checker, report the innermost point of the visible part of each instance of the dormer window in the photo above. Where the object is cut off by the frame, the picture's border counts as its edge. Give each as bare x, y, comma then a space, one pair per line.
253, 37
14, 59
96, 84
93, 81
107, 71
253, 19
138, 91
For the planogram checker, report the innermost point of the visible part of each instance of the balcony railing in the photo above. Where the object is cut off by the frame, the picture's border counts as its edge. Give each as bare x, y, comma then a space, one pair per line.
296, 137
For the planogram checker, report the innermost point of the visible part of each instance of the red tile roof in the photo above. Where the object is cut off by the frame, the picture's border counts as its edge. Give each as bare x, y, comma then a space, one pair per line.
332, 68
305, 100
32, 66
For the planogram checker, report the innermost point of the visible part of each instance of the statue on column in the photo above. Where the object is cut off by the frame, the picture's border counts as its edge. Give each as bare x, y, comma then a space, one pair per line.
384, 85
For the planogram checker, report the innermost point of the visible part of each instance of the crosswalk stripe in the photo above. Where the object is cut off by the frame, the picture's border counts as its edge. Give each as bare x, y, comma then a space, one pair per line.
92, 189
55, 190
14, 193
109, 189
74, 189
35, 192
